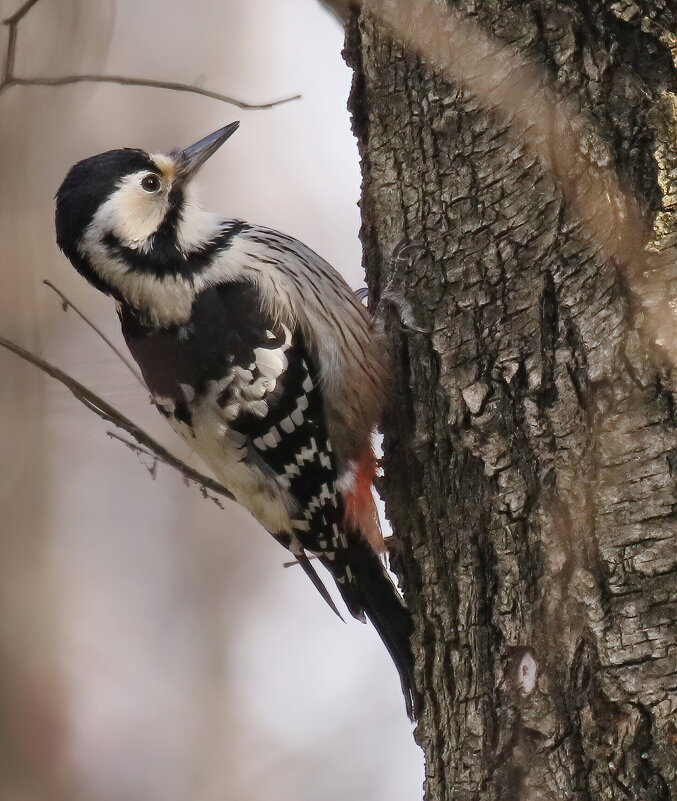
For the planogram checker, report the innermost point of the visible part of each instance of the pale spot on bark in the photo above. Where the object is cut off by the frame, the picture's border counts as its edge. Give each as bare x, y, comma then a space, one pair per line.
475, 395
527, 672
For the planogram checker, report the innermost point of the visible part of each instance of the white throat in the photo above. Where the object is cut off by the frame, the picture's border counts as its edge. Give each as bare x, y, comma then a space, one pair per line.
196, 227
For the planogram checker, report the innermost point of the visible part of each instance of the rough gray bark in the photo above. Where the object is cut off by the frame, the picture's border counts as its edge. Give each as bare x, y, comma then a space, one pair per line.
530, 452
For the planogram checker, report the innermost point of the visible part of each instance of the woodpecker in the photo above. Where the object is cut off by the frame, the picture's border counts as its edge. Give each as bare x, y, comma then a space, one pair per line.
258, 354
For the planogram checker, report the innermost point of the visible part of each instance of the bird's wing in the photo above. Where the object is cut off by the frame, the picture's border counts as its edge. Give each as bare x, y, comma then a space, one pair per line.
273, 400
280, 411
259, 377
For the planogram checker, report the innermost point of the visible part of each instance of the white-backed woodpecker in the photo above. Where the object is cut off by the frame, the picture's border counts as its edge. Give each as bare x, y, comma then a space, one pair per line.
259, 355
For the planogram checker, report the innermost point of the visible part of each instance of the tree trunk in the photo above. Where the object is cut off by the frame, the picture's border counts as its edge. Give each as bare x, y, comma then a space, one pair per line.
530, 451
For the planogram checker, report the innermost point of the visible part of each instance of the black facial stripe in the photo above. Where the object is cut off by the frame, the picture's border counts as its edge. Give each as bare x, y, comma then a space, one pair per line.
172, 218
164, 257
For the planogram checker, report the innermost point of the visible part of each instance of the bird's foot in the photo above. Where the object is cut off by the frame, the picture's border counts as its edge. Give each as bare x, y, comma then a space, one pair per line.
405, 255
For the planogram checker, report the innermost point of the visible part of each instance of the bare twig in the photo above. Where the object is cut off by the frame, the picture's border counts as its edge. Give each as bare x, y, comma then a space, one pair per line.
120, 80
9, 78
12, 24
111, 415
155, 460
296, 562
20, 13
139, 451
69, 303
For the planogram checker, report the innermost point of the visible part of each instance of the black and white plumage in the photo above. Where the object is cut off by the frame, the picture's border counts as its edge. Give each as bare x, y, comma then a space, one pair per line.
258, 354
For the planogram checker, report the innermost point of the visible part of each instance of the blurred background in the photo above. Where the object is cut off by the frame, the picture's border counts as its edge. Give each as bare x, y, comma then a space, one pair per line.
152, 646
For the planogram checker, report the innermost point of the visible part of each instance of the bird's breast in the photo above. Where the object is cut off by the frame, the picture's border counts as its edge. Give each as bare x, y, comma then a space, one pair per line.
203, 358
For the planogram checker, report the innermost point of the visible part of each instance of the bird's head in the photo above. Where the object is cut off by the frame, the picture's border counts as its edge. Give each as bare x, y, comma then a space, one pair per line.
127, 212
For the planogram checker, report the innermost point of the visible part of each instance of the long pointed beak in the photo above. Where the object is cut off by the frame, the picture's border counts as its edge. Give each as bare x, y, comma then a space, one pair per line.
193, 157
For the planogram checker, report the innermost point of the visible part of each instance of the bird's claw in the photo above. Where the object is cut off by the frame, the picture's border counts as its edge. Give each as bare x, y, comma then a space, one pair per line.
405, 312
404, 253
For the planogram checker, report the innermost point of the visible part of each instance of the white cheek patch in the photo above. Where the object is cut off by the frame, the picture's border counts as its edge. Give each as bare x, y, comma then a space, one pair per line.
132, 214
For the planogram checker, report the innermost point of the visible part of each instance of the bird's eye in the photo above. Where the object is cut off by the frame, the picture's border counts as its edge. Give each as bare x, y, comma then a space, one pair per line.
150, 182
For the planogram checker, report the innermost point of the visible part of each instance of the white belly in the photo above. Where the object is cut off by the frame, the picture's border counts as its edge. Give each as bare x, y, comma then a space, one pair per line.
227, 454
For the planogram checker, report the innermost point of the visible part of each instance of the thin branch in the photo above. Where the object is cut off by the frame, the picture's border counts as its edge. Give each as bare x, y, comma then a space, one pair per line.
139, 451
295, 562
20, 13
111, 415
69, 303
149, 83
9, 78
12, 24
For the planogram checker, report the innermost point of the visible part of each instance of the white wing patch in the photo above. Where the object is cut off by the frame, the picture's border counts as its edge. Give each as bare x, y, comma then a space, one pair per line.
270, 363
248, 392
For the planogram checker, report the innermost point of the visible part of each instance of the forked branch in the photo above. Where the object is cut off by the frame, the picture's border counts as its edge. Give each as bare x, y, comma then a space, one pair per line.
111, 415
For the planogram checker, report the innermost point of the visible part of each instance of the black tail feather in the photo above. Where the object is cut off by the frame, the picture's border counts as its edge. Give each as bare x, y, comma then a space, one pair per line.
374, 594
310, 571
